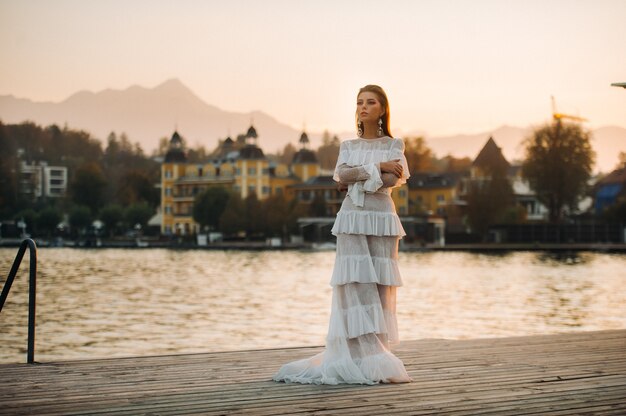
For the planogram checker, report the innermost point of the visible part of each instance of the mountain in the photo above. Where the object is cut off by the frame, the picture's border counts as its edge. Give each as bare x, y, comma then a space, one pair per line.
147, 114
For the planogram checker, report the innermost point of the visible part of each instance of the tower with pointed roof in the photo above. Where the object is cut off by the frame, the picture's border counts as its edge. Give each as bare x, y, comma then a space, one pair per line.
489, 160
173, 167
304, 163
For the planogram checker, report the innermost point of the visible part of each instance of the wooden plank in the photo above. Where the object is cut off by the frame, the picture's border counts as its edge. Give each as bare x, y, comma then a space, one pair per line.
575, 372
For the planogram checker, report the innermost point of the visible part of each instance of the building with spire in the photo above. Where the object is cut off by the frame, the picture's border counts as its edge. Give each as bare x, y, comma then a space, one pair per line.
305, 164
240, 166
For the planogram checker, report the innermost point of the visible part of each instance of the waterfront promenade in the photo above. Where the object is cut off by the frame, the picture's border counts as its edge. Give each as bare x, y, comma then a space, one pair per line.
563, 374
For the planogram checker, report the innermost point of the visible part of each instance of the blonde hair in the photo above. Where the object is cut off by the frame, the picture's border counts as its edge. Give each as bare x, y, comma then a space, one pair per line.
384, 102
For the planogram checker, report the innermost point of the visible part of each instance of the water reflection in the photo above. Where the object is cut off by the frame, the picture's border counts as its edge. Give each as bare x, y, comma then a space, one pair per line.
102, 303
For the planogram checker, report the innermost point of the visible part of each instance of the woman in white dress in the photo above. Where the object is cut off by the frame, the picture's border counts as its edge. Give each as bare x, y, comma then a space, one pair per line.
365, 277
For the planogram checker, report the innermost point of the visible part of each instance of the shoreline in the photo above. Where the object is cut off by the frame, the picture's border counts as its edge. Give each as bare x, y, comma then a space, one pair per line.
325, 246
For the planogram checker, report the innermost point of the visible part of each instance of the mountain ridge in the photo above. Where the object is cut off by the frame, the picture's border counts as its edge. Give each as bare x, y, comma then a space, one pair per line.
148, 114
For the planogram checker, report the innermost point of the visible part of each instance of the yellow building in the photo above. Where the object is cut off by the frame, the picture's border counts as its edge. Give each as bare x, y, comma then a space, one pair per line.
400, 197
241, 167
433, 194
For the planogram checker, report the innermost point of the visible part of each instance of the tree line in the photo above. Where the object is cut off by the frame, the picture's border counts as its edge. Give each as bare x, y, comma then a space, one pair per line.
113, 183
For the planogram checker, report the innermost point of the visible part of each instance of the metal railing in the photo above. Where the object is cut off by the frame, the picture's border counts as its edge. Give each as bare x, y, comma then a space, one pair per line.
32, 286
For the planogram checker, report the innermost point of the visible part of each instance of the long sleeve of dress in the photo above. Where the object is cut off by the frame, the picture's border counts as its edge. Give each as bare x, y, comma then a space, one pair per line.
389, 180
360, 179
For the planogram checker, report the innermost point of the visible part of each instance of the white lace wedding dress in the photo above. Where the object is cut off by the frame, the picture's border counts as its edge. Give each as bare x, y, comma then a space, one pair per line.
365, 276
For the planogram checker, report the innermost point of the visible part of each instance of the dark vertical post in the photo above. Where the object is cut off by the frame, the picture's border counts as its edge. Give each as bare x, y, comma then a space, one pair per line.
32, 293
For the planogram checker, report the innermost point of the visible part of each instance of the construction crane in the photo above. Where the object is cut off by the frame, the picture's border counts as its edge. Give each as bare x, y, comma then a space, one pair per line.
558, 116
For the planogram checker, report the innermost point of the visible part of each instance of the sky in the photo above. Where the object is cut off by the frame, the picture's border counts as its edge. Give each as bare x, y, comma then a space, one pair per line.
448, 67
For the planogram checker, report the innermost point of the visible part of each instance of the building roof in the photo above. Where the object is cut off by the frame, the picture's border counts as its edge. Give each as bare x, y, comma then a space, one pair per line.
617, 176
304, 138
251, 151
434, 180
252, 132
304, 156
175, 152
490, 155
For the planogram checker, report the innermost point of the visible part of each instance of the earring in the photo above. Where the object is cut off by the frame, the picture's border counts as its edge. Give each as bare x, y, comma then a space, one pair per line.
380, 127
359, 131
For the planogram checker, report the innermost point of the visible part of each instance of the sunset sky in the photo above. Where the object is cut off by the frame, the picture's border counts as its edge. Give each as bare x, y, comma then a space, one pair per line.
448, 66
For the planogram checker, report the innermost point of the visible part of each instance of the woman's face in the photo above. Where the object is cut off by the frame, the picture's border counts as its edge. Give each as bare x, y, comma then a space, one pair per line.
368, 108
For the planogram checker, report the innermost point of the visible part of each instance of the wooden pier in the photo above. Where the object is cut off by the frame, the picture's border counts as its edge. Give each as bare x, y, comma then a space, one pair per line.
580, 373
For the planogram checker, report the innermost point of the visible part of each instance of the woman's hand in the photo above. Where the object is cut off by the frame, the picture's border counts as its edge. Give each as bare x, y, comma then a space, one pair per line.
393, 166
342, 187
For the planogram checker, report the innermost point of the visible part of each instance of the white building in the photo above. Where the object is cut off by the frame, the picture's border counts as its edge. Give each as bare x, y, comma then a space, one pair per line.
40, 180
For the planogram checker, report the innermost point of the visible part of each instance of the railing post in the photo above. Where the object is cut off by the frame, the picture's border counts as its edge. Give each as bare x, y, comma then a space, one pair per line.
32, 287
32, 295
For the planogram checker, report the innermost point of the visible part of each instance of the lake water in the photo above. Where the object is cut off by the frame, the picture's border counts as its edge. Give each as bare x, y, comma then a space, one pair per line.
115, 302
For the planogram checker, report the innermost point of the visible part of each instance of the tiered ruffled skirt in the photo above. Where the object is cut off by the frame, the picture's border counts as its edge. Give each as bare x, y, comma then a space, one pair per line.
363, 313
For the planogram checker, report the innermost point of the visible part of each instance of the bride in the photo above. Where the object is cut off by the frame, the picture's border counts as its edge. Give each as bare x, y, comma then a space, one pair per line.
365, 276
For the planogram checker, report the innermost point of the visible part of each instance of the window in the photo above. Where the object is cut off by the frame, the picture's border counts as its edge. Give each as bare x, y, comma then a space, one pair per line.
217, 171
266, 190
237, 171
279, 191
440, 198
56, 181
251, 171
251, 189
402, 193
266, 171
168, 174
168, 209
200, 171
168, 191
56, 172
402, 210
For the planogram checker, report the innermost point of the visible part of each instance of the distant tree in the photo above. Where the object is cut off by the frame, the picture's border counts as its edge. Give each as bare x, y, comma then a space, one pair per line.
209, 206
286, 156
80, 218
328, 152
8, 174
488, 202
135, 186
233, 219
558, 164
197, 154
490, 196
138, 214
252, 208
616, 212
87, 187
112, 215
276, 212
48, 220
418, 154
162, 148
454, 164
621, 160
